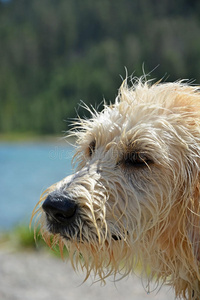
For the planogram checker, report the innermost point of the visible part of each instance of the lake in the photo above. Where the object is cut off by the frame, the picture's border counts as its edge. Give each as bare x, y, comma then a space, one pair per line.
26, 170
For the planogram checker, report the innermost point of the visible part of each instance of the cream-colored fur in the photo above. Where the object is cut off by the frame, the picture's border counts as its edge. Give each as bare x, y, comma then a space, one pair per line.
136, 188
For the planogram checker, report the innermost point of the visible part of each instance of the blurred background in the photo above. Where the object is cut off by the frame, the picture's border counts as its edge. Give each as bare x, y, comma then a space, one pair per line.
54, 53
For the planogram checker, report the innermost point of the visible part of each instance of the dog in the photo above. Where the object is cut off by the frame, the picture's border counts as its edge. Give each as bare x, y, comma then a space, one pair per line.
134, 198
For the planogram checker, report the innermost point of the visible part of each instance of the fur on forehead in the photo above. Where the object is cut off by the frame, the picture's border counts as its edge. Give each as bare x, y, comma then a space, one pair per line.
168, 96
143, 99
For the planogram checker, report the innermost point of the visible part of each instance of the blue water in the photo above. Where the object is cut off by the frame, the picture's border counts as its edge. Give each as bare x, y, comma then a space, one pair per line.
26, 170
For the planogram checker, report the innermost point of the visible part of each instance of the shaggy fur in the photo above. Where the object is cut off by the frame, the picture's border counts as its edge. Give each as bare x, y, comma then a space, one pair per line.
134, 199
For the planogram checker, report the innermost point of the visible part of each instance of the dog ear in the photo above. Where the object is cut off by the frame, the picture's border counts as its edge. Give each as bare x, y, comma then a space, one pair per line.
190, 178
193, 222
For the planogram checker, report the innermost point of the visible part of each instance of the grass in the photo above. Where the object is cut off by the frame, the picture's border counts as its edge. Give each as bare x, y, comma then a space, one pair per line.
21, 238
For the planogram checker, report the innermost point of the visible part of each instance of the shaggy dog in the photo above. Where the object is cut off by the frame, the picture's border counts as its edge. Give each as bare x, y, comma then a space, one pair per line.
134, 199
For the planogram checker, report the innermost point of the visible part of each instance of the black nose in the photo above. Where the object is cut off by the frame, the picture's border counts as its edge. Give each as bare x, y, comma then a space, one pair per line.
60, 208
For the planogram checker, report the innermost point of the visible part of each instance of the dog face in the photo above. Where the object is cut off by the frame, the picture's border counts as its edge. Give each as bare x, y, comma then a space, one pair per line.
136, 184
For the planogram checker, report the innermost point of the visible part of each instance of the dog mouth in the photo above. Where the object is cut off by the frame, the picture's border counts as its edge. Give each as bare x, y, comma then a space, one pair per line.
66, 232
72, 231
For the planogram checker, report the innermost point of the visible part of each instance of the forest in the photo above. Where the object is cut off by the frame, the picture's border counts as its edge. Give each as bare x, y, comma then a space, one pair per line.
56, 53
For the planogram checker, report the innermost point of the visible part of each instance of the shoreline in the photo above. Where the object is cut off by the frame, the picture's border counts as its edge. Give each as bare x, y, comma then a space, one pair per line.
26, 139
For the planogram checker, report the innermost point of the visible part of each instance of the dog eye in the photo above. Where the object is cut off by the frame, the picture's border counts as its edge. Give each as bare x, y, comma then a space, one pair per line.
91, 148
136, 159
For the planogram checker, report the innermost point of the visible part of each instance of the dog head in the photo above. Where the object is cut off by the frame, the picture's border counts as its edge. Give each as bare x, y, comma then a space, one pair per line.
135, 194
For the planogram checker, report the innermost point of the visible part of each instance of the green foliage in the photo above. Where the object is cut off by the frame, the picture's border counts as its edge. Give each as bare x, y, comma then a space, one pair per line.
55, 53
23, 238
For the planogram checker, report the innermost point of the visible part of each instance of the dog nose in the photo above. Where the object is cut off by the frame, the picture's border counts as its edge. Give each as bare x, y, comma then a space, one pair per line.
60, 208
